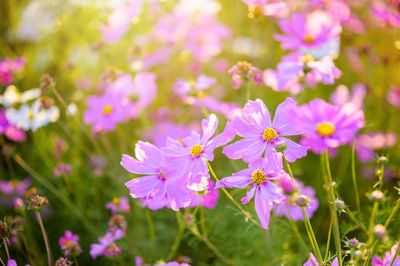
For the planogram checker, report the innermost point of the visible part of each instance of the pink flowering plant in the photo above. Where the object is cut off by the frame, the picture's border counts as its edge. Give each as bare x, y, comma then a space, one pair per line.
199, 132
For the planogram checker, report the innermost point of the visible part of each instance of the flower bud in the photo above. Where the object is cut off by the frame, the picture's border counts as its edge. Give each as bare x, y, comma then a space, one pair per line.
37, 203
302, 200
380, 231
287, 184
340, 204
280, 146
353, 242
382, 160
377, 195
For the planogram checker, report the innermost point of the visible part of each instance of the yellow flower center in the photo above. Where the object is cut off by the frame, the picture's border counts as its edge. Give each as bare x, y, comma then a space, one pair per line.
31, 116
258, 176
196, 150
326, 129
307, 58
243, 68
255, 11
308, 39
107, 109
115, 201
269, 134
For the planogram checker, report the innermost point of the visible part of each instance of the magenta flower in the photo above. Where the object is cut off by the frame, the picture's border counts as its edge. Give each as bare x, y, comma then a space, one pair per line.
208, 197
306, 32
386, 15
15, 187
69, 244
312, 261
159, 182
342, 96
288, 207
11, 131
119, 205
393, 96
265, 191
8, 67
366, 143
388, 258
120, 21
325, 125
106, 111
244, 72
193, 151
106, 245
62, 169
295, 66
260, 135
162, 130
266, 7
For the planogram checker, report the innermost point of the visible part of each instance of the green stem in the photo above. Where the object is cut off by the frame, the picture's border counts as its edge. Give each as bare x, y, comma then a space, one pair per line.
328, 242
353, 173
203, 222
233, 200
6, 248
311, 236
179, 235
211, 246
46, 239
298, 235
151, 232
332, 203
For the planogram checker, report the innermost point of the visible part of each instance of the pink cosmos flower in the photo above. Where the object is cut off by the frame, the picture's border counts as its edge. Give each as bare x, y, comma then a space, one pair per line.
15, 187
120, 21
386, 15
193, 151
69, 244
306, 32
8, 67
295, 66
366, 143
260, 134
119, 205
62, 169
162, 130
208, 197
266, 7
288, 207
11, 131
106, 111
388, 258
312, 261
393, 96
183, 87
106, 246
159, 182
244, 72
325, 125
265, 191
342, 96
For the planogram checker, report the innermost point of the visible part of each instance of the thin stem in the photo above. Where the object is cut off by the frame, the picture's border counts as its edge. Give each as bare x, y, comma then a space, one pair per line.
2, 263
288, 167
211, 246
76, 261
298, 235
46, 239
6, 248
311, 235
179, 235
372, 218
332, 207
151, 232
203, 221
233, 200
353, 173
328, 242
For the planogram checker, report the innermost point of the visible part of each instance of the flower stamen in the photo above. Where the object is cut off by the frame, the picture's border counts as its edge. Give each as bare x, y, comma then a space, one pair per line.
325, 129
196, 150
269, 134
258, 176
107, 109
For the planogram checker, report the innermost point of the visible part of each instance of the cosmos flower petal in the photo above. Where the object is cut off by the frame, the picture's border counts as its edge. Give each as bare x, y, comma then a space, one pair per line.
294, 151
234, 181
143, 186
263, 208
209, 126
257, 113
249, 194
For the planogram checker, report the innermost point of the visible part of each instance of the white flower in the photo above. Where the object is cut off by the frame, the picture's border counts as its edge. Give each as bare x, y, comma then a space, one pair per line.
32, 117
12, 96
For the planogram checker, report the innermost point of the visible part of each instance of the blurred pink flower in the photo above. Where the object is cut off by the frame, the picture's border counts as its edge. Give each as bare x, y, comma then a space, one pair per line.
119, 205
243, 72
303, 32
11, 131
342, 96
393, 96
388, 258
69, 244
120, 20
207, 198
8, 67
106, 246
